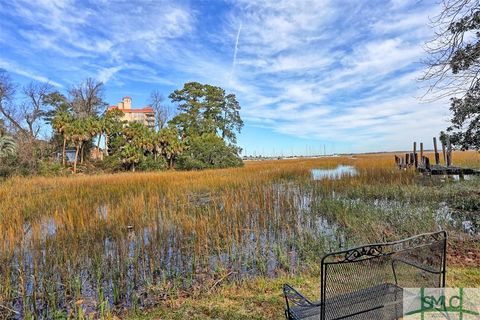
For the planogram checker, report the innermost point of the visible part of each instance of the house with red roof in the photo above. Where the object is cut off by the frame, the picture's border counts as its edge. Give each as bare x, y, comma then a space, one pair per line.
145, 115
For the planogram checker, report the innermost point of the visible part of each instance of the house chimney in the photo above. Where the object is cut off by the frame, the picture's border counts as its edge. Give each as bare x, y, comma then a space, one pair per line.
127, 103
120, 105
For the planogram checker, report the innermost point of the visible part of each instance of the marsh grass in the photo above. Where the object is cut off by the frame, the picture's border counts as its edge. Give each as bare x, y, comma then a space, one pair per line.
90, 246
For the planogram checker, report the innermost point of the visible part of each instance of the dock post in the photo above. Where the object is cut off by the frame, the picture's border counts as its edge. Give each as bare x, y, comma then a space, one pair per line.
421, 150
415, 158
407, 159
444, 153
427, 163
437, 156
449, 152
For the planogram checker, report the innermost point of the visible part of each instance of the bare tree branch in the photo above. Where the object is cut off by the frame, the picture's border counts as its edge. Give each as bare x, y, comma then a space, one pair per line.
452, 67
87, 98
163, 113
34, 109
7, 94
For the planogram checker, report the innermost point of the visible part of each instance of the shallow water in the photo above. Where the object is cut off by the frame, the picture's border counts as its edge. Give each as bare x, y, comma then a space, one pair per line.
339, 172
286, 230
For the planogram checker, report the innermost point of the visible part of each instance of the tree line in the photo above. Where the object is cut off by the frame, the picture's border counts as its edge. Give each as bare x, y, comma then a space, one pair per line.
199, 134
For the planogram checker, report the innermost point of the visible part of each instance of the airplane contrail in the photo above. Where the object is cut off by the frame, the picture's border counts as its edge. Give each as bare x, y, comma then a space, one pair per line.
236, 49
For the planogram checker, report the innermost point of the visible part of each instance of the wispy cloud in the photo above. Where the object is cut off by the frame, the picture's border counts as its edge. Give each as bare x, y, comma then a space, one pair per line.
106, 73
95, 34
14, 68
314, 69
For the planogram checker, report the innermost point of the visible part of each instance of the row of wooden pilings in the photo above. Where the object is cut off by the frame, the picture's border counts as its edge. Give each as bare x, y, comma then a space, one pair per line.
411, 159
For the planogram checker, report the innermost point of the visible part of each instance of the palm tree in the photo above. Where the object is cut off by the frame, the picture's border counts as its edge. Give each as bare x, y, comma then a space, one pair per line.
130, 155
3, 130
158, 145
171, 145
59, 123
7, 146
78, 133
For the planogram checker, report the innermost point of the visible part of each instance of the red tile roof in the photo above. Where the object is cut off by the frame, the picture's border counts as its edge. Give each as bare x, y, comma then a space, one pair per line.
142, 110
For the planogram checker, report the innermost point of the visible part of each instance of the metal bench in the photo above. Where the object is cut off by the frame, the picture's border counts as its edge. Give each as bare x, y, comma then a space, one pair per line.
367, 282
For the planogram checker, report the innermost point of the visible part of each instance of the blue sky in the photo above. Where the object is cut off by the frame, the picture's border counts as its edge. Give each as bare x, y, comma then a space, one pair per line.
307, 73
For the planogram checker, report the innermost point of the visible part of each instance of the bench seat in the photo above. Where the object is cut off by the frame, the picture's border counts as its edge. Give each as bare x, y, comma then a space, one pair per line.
363, 304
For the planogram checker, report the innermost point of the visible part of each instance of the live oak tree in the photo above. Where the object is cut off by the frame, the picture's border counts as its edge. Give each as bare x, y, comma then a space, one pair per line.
110, 123
207, 122
209, 151
454, 68
206, 109
465, 128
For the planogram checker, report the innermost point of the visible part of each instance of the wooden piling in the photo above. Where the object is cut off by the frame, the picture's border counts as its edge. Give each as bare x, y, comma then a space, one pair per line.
444, 154
426, 163
449, 152
415, 158
421, 150
437, 157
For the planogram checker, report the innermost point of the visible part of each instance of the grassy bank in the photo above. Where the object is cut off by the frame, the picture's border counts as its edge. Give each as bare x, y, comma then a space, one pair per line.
261, 298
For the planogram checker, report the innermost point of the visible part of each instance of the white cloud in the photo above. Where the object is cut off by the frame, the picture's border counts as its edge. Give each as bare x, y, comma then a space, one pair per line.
106, 73
324, 69
13, 67
103, 32
320, 71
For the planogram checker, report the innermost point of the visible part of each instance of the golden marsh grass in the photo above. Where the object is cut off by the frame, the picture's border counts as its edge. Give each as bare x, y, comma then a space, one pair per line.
87, 245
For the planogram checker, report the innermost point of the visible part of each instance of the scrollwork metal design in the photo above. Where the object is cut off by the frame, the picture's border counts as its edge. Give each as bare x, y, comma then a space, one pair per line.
377, 250
367, 251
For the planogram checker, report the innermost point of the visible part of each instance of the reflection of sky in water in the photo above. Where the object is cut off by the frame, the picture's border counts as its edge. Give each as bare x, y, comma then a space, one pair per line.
337, 173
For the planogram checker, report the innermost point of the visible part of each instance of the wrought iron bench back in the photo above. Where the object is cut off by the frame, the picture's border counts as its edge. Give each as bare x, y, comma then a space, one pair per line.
418, 261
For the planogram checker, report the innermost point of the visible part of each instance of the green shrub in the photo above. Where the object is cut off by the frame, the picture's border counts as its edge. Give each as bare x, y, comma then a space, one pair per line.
112, 164
209, 151
51, 168
8, 166
150, 164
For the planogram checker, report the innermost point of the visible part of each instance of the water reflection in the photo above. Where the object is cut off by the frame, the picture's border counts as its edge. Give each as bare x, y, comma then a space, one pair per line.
334, 174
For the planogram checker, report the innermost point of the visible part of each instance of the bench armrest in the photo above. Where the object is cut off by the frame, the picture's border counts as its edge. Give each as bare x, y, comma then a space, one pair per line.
293, 298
